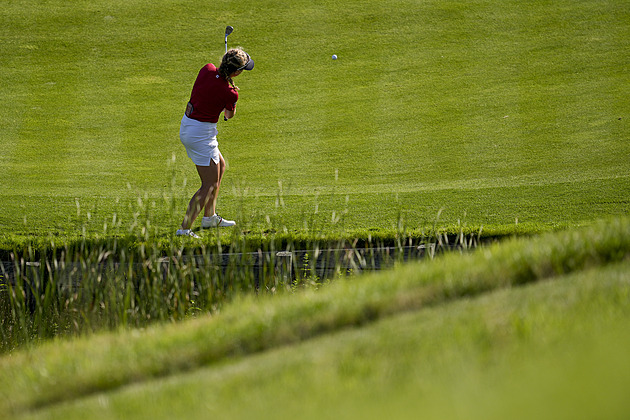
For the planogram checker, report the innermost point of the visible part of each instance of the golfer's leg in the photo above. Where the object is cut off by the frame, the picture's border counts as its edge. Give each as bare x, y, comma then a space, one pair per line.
204, 196
210, 208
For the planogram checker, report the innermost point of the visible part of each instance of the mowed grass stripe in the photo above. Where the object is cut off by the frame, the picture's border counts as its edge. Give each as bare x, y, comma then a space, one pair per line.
61, 371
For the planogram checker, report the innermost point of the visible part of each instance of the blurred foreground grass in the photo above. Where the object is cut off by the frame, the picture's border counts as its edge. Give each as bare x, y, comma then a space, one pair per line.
429, 336
552, 350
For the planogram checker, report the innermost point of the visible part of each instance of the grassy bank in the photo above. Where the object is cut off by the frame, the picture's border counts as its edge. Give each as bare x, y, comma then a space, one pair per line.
551, 350
66, 370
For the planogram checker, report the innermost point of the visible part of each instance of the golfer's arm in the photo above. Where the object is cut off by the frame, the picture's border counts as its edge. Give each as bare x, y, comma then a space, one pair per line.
228, 114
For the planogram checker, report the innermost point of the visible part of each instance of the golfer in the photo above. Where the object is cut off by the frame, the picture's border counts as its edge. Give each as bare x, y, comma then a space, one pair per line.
214, 92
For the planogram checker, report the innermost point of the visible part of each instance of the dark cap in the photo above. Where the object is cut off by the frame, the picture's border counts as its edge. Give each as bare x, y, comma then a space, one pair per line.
249, 65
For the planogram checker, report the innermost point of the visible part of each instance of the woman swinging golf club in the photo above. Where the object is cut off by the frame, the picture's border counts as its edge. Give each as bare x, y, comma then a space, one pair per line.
214, 92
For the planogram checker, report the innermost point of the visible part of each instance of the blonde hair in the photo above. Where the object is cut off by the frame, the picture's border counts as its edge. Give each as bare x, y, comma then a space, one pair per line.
233, 60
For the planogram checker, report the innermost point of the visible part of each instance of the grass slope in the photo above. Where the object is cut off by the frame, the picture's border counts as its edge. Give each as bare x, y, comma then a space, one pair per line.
489, 111
552, 350
66, 370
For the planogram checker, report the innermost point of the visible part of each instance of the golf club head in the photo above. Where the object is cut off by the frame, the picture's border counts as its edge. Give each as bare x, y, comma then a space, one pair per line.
228, 30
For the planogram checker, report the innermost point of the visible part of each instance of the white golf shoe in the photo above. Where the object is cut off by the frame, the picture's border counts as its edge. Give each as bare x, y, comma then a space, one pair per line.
216, 221
186, 232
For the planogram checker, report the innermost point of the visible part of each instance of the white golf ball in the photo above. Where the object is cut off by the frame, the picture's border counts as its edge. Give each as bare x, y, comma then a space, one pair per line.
334, 56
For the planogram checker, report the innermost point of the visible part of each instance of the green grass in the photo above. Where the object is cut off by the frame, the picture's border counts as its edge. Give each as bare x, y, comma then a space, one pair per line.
555, 350
483, 117
66, 370
483, 111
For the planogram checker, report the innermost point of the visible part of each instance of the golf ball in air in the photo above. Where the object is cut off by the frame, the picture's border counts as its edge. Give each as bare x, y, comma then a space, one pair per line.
334, 56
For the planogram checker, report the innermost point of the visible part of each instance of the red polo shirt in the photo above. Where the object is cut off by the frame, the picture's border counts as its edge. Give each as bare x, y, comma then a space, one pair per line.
211, 93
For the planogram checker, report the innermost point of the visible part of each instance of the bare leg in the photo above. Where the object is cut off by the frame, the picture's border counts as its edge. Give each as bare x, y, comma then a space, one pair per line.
210, 208
210, 178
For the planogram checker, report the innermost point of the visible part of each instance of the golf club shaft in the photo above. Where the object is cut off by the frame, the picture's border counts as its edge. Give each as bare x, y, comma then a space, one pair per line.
228, 31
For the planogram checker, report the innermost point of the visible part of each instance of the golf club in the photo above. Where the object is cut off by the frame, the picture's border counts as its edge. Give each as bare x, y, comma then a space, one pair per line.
228, 30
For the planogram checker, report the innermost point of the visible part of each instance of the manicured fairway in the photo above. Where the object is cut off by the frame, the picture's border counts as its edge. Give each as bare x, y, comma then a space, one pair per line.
482, 111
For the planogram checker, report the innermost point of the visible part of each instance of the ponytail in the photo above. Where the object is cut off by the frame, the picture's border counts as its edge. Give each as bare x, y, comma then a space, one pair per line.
233, 60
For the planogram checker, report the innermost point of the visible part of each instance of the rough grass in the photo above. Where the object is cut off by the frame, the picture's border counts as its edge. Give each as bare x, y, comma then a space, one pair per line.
555, 349
66, 370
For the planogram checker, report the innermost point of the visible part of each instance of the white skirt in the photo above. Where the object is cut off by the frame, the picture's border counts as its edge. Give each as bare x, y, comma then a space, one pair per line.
200, 140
